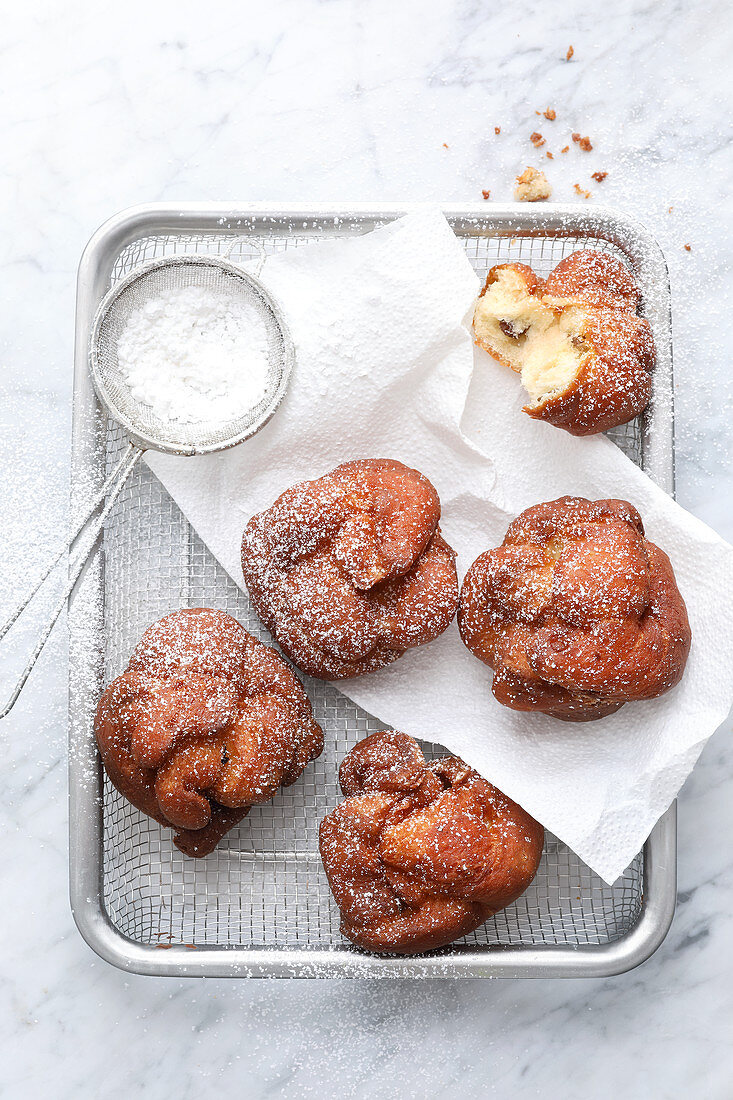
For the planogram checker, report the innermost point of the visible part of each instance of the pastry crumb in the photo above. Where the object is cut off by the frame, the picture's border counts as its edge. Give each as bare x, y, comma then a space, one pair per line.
581, 191
550, 114
565, 149
497, 129
486, 194
570, 53
532, 186
549, 155
536, 139
688, 248
446, 146
598, 176
583, 142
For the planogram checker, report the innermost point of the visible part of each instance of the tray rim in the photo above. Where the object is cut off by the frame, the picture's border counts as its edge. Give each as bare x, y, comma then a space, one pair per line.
85, 808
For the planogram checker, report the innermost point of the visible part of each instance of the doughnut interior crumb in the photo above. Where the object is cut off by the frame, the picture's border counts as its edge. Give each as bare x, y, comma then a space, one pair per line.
532, 186
542, 343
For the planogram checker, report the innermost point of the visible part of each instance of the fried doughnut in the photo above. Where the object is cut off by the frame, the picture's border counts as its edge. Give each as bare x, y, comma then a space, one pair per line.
576, 612
585, 357
204, 723
418, 854
350, 570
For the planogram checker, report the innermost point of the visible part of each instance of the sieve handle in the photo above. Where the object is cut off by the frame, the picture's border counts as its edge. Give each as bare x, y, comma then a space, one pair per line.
111, 489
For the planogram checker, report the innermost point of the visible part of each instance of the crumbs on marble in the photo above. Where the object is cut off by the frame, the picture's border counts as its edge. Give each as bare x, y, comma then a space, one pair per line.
532, 185
570, 53
688, 248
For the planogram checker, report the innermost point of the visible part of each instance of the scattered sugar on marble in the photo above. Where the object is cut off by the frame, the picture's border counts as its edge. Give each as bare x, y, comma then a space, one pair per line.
194, 355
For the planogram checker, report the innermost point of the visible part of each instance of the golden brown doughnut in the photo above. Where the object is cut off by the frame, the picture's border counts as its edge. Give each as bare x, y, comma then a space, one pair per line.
576, 612
585, 357
418, 855
204, 723
350, 570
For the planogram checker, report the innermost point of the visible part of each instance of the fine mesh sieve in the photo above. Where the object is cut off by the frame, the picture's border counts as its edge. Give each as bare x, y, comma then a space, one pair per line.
139, 420
145, 429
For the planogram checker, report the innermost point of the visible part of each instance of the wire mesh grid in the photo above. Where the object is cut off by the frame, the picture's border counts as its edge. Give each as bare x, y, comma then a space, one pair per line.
264, 884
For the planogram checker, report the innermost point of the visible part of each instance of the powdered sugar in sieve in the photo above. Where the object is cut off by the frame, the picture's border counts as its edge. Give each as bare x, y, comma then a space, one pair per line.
192, 354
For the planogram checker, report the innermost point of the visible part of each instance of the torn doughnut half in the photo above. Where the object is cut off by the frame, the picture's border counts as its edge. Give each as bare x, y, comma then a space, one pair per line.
584, 355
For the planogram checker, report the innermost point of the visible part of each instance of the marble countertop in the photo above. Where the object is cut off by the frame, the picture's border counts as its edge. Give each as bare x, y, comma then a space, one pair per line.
301, 100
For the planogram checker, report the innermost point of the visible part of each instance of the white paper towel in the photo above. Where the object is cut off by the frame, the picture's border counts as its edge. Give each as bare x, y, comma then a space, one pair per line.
386, 368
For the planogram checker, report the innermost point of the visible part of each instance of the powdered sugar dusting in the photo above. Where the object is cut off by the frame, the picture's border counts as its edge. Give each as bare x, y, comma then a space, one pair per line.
195, 355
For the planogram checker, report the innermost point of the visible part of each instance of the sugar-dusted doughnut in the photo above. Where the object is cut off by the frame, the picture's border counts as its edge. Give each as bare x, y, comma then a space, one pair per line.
576, 612
418, 855
204, 723
350, 570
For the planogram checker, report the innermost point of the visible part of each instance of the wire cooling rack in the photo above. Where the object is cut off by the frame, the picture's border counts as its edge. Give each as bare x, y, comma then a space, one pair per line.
260, 902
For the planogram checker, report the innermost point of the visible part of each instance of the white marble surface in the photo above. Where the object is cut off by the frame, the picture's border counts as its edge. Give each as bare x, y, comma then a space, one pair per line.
103, 106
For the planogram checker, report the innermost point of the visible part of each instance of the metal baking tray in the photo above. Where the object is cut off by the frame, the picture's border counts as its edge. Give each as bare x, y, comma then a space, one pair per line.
260, 904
